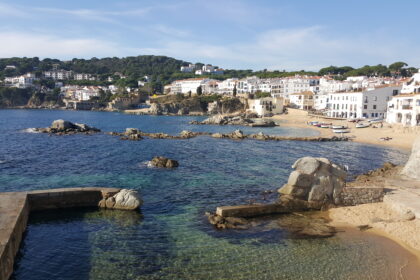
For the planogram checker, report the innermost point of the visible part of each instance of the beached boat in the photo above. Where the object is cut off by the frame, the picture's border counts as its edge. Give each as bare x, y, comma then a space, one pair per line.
341, 130
325, 125
378, 120
338, 127
362, 125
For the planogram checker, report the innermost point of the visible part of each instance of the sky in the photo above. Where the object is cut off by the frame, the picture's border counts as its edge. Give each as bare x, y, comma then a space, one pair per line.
237, 34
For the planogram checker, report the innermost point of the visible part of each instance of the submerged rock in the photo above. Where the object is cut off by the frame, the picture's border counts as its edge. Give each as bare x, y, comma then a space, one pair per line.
164, 162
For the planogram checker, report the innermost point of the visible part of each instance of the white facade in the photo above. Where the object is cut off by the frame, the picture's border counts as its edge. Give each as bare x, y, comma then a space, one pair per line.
188, 69
404, 109
58, 74
365, 104
23, 81
412, 86
302, 100
287, 86
266, 106
227, 86
321, 101
186, 86
83, 77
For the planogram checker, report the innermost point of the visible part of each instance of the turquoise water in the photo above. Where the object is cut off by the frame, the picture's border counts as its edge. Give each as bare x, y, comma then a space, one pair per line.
170, 238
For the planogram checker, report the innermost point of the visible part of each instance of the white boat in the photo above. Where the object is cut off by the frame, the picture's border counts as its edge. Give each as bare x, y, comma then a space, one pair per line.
338, 127
325, 126
379, 120
362, 125
341, 130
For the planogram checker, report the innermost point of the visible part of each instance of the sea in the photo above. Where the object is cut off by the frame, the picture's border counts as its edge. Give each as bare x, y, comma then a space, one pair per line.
170, 237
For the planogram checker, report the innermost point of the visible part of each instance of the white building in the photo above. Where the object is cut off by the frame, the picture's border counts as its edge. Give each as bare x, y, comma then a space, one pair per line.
302, 100
404, 109
58, 74
23, 81
227, 86
286, 86
363, 104
266, 106
186, 86
83, 77
188, 69
321, 101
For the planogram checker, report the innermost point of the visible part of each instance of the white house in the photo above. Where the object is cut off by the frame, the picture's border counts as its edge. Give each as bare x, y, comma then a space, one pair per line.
58, 74
186, 86
83, 77
266, 106
23, 81
302, 100
321, 101
286, 86
227, 86
363, 104
404, 109
188, 69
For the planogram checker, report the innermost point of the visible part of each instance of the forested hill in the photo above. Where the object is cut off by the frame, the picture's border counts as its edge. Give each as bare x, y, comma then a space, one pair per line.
135, 66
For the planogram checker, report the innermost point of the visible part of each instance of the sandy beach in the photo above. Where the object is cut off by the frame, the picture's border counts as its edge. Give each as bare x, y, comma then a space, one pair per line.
402, 138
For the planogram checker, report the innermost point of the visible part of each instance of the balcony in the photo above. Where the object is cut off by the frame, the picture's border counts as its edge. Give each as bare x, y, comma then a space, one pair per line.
407, 107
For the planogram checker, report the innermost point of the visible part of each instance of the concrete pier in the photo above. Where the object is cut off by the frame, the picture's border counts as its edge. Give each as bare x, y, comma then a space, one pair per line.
16, 206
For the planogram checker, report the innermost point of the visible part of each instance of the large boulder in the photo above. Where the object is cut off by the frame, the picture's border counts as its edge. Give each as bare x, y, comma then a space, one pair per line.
316, 180
123, 200
412, 167
127, 200
62, 125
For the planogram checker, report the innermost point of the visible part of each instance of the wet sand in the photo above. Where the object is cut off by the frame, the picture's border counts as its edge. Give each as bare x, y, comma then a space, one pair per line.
401, 238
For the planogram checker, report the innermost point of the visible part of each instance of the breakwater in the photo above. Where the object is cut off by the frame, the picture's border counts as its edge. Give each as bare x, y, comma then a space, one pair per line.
16, 206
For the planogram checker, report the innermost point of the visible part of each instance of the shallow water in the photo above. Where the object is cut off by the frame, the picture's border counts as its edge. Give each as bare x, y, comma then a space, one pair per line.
171, 238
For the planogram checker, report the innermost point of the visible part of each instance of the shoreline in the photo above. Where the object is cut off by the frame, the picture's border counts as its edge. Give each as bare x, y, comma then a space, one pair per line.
402, 137
385, 222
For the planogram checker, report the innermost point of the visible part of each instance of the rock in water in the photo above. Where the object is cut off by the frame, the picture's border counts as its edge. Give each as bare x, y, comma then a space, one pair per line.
122, 200
164, 162
126, 200
62, 125
412, 167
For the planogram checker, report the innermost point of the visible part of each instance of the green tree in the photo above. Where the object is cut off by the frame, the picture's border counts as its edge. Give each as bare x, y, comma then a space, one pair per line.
234, 90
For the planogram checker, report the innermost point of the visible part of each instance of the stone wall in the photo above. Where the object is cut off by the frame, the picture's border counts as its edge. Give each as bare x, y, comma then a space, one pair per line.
351, 196
16, 206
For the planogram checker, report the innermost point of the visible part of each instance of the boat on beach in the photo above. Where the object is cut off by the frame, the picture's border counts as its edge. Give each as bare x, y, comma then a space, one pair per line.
341, 130
338, 127
362, 125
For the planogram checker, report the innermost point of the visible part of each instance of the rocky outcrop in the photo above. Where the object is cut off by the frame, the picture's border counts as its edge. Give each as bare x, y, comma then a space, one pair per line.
235, 120
163, 162
123, 200
189, 106
63, 127
412, 167
316, 180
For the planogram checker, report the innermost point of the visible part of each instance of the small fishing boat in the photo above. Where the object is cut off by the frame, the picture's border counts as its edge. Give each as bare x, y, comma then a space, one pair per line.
378, 120
324, 125
341, 130
362, 125
338, 127
314, 123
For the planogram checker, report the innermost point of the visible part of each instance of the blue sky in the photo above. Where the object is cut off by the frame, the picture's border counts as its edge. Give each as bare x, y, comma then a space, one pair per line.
291, 35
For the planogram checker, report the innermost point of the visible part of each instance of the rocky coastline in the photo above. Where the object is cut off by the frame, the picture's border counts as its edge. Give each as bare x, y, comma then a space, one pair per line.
319, 184
241, 120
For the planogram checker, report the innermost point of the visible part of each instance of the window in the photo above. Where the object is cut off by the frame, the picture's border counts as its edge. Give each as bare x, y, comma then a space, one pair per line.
375, 98
366, 99
374, 107
364, 106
